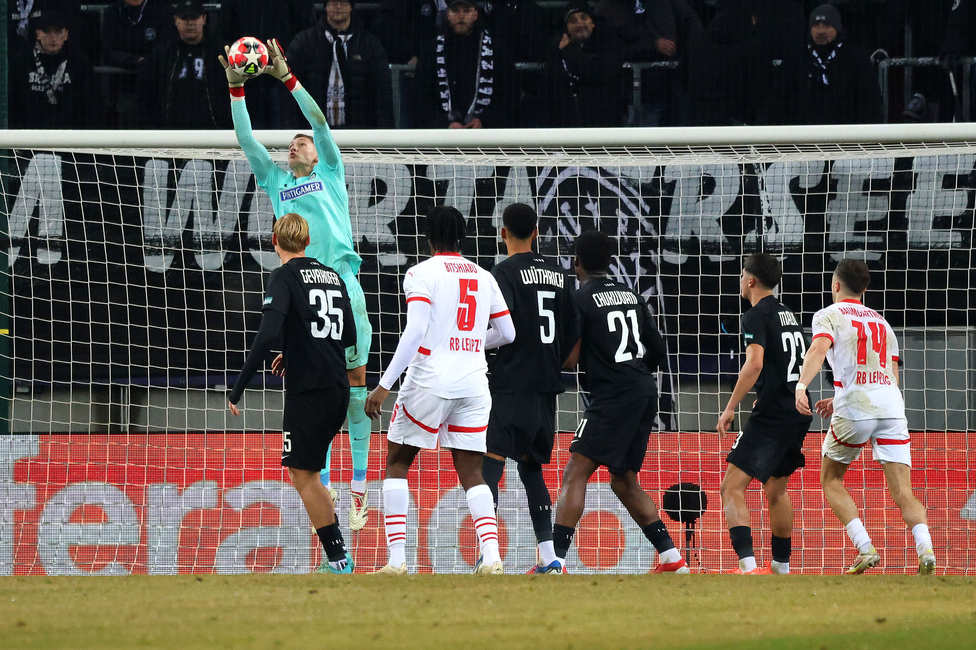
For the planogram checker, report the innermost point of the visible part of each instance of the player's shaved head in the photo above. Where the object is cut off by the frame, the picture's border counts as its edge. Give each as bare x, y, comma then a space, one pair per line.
446, 229
854, 275
593, 251
291, 232
765, 268
520, 220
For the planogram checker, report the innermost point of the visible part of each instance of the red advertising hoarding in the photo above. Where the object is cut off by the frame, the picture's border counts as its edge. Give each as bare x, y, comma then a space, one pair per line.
220, 503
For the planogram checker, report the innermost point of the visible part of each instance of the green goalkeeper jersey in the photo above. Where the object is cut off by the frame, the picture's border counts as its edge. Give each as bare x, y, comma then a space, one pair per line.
320, 198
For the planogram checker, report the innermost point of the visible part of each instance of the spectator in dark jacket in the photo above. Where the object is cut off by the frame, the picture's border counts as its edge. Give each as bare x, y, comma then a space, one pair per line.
584, 73
404, 26
463, 81
827, 80
181, 84
344, 68
731, 69
131, 28
51, 85
24, 15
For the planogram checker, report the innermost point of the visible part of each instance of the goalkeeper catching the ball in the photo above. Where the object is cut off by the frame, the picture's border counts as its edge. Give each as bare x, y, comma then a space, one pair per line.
315, 188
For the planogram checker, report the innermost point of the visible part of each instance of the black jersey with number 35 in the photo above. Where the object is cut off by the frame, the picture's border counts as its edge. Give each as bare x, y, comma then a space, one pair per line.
318, 326
621, 346
539, 296
772, 326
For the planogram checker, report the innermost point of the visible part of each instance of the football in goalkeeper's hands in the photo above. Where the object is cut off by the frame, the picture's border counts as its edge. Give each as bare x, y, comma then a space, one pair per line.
248, 56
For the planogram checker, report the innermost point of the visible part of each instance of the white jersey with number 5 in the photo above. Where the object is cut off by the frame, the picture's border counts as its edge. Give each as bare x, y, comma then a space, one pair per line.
862, 355
463, 297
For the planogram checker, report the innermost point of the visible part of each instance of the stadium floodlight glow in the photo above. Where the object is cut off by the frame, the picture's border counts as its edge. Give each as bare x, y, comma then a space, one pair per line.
137, 262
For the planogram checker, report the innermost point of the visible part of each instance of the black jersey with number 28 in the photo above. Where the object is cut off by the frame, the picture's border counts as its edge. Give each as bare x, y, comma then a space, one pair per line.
318, 326
620, 344
539, 296
772, 326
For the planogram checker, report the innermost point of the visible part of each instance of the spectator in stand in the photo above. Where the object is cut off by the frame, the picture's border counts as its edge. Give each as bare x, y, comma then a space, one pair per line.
403, 26
463, 81
520, 27
181, 84
267, 101
730, 71
130, 30
51, 85
25, 13
827, 80
584, 73
344, 68
959, 40
654, 30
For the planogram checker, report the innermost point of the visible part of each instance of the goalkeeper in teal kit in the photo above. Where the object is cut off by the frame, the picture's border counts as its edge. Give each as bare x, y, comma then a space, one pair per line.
315, 188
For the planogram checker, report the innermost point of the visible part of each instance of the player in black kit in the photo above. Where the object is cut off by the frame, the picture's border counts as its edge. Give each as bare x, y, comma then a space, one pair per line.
525, 375
307, 308
770, 446
619, 349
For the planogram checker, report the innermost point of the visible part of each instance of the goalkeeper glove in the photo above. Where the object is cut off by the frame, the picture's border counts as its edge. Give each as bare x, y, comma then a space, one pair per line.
234, 80
278, 68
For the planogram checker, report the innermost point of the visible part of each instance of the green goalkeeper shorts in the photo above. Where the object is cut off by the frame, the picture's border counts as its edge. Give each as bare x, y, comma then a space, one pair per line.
358, 354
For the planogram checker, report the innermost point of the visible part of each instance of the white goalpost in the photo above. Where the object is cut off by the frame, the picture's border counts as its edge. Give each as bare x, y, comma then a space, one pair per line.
135, 269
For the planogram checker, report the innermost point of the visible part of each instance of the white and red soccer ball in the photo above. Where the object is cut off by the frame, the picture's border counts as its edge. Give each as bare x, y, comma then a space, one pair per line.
248, 56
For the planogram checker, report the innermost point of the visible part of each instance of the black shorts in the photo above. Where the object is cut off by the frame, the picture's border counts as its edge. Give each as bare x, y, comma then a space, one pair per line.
614, 430
310, 422
522, 425
769, 448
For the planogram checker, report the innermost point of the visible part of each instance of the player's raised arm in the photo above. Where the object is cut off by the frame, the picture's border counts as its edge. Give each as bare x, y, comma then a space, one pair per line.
257, 155
325, 145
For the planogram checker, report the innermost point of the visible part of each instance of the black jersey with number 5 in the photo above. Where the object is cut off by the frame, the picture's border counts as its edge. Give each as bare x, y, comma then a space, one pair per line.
621, 346
772, 326
307, 308
539, 296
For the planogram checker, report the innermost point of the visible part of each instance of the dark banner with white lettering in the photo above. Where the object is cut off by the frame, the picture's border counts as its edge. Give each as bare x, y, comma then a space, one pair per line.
152, 270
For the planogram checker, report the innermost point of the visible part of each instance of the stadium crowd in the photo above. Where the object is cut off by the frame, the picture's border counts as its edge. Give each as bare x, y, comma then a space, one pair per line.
553, 63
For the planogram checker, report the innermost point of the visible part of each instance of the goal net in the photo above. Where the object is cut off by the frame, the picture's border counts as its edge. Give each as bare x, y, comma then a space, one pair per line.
134, 275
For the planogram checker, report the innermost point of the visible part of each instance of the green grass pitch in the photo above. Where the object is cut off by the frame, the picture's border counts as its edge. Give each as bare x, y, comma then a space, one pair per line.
491, 612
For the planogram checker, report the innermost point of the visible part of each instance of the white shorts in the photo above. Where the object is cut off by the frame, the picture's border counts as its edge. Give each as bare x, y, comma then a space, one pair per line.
889, 438
422, 420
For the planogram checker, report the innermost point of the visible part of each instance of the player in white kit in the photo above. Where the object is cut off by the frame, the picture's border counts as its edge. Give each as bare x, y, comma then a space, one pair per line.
444, 398
867, 406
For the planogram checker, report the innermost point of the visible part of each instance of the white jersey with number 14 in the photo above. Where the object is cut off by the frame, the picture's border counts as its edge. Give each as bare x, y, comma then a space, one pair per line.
862, 355
463, 297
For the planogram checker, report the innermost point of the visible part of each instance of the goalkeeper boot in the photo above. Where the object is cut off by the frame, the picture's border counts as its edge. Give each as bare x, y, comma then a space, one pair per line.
358, 512
390, 570
758, 571
556, 567
865, 561
346, 566
495, 568
926, 562
680, 567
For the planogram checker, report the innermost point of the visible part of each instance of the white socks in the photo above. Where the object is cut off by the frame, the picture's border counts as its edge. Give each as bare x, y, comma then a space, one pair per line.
923, 540
747, 564
396, 498
359, 487
547, 553
780, 568
859, 536
482, 507
674, 555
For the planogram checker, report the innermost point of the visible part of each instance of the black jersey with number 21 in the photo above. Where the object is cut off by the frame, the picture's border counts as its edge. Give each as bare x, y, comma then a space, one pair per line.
319, 323
620, 347
772, 326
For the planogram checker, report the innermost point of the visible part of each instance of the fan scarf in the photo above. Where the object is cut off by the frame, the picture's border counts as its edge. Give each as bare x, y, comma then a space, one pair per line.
48, 84
483, 83
821, 63
336, 94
